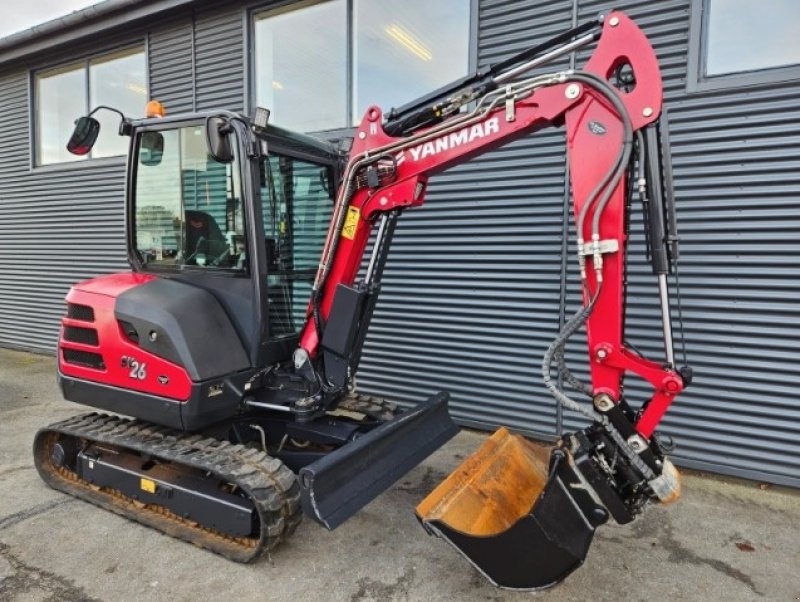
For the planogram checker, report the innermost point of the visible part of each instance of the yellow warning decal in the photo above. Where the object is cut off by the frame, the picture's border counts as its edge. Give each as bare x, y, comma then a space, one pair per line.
350, 223
147, 485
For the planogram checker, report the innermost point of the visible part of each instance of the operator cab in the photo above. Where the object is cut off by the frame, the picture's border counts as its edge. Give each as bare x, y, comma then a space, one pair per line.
248, 227
226, 219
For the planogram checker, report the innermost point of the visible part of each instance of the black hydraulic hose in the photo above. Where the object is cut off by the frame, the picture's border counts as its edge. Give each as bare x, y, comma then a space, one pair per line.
613, 174
568, 376
587, 410
643, 193
602, 86
641, 155
608, 91
603, 190
556, 346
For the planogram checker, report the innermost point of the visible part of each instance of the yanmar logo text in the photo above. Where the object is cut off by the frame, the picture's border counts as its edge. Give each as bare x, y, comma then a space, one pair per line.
456, 139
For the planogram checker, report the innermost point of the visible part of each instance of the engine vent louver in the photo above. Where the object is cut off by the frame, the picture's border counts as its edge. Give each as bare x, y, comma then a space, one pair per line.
84, 313
86, 336
83, 358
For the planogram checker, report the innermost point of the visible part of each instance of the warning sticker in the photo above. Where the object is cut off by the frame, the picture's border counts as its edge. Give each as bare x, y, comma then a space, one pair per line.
147, 485
350, 223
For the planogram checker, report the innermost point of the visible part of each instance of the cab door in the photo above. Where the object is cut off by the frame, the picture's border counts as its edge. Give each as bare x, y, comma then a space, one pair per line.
297, 202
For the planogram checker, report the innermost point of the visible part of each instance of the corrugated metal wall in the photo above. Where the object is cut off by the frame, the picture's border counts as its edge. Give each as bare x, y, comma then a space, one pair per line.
220, 56
58, 224
172, 65
472, 288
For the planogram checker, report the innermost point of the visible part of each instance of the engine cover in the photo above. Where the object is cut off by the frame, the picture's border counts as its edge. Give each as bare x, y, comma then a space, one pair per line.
154, 348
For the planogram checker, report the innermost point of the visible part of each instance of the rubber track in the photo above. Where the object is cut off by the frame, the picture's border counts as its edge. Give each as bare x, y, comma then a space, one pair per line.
267, 481
374, 407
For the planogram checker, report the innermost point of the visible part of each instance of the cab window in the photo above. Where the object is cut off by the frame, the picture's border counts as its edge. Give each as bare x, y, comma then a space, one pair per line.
297, 203
188, 207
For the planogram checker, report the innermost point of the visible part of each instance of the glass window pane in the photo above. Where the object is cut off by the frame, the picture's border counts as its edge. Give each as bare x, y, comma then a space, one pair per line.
301, 66
297, 202
60, 99
119, 81
188, 206
406, 48
158, 202
744, 35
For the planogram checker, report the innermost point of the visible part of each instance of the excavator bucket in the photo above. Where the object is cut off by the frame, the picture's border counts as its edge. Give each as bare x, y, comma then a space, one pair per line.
510, 510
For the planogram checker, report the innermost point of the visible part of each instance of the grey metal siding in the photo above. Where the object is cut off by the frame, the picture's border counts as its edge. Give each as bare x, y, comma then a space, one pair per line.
172, 66
220, 55
471, 295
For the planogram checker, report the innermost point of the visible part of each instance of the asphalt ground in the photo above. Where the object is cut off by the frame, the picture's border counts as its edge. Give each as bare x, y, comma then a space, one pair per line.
724, 540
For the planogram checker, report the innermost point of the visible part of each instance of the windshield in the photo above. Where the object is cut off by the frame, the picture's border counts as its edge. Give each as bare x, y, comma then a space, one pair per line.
187, 206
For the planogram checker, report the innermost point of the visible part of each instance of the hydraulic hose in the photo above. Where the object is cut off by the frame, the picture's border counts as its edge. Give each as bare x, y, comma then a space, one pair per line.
572, 380
587, 410
556, 346
600, 196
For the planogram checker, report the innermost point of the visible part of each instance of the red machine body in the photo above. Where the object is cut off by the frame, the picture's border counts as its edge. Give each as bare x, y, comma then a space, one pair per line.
105, 354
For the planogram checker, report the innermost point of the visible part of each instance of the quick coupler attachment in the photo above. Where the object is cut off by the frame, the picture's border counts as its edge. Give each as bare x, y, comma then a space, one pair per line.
523, 514
340, 484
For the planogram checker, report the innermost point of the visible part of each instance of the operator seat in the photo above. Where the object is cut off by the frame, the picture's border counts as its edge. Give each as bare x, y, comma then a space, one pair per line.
204, 239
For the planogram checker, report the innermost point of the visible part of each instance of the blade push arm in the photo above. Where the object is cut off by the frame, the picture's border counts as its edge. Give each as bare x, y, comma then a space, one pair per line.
386, 174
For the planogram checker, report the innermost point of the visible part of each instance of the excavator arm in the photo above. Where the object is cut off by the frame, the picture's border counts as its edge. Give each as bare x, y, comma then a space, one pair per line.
549, 505
387, 174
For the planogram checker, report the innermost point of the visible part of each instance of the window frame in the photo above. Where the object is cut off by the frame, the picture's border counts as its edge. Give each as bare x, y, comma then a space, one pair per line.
84, 61
698, 81
275, 8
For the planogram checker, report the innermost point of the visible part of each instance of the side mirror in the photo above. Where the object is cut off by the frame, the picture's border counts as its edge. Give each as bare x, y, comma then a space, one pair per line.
151, 149
83, 136
218, 139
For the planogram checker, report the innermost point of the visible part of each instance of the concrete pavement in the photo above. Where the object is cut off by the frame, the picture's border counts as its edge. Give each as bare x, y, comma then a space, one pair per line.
725, 540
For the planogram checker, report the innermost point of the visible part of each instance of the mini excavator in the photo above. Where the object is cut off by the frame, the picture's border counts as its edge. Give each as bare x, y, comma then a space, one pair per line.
257, 256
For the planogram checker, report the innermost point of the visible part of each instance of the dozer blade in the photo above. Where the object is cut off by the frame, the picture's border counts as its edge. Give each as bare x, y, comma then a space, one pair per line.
510, 510
337, 486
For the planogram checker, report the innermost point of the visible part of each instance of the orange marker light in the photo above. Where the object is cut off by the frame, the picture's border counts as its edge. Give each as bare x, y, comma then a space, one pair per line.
154, 109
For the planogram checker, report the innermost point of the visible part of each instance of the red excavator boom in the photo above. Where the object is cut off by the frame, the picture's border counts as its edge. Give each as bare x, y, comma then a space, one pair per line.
611, 110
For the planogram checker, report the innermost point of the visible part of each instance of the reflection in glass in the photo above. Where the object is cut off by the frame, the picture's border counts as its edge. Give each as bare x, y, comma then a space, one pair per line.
60, 99
744, 35
188, 207
407, 48
301, 66
297, 204
118, 81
